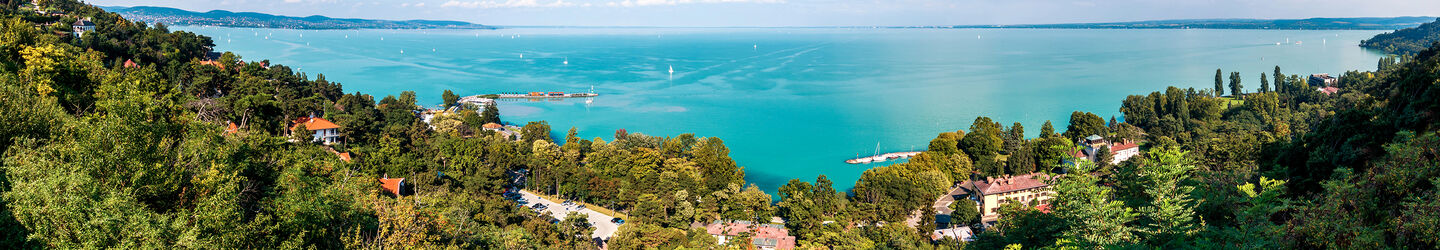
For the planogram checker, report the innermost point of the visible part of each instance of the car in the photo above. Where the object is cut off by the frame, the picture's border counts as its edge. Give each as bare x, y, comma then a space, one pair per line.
617, 221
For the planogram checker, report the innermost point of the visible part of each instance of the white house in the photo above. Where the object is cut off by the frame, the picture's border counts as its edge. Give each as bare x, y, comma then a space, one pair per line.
325, 131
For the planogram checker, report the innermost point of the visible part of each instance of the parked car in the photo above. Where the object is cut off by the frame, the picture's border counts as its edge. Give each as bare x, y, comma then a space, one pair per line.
617, 221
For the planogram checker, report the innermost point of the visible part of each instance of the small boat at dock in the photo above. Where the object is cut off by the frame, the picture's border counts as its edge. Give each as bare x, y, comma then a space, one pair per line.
883, 157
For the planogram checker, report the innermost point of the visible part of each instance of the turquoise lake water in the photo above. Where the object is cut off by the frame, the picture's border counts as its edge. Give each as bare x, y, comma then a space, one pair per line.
795, 102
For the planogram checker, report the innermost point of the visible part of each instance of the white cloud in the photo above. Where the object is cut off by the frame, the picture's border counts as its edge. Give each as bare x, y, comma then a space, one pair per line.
292, 1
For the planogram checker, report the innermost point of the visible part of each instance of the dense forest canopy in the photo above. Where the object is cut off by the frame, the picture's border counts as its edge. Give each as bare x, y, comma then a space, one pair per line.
121, 138
1406, 41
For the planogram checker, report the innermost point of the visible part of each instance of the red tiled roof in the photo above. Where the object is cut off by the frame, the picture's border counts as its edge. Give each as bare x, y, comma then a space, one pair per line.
1127, 144
313, 124
779, 234
231, 129
993, 185
1329, 90
344, 156
130, 64
492, 125
391, 185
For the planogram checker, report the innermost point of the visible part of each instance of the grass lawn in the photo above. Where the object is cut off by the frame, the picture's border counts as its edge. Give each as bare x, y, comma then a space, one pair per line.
1233, 102
600, 209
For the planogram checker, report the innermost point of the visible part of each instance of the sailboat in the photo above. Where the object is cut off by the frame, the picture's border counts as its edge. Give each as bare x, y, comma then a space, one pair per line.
672, 69
878, 157
567, 62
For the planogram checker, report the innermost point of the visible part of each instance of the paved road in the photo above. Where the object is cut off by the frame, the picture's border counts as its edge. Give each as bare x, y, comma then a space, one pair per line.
603, 227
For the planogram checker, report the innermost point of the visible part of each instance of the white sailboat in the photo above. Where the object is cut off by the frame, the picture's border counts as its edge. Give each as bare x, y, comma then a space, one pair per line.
672, 69
567, 62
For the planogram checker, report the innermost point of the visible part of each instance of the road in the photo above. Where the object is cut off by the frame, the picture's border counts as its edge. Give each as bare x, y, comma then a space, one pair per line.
603, 227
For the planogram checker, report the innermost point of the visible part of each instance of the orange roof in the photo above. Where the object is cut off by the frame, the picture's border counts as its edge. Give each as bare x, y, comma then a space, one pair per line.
231, 129
313, 124
391, 185
772, 234
130, 64
993, 185
492, 125
344, 156
1044, 208
212, 63
1127, 144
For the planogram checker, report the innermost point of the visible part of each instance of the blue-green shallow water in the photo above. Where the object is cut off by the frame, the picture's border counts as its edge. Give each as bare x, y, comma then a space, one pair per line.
794, 103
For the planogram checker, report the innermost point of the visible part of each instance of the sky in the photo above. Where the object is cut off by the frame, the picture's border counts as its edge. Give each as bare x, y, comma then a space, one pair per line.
772, 13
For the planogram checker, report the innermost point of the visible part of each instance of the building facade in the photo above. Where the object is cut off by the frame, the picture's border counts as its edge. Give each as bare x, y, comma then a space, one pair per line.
324, 131
993, 192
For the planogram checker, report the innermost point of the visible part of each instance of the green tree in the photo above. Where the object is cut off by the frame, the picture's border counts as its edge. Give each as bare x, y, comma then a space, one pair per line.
1264, 84
1095, 219
1047, 130
1279, 80
1083, 124
1219, 83
491, 114
450, 98
964, 212
1236, 89
1171, 216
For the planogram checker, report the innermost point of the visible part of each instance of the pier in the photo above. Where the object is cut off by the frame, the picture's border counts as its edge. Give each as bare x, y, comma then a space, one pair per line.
883, 157
543, 95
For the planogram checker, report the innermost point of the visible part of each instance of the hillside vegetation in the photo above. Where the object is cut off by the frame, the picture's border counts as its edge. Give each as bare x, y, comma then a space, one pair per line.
119, 139
1406, 41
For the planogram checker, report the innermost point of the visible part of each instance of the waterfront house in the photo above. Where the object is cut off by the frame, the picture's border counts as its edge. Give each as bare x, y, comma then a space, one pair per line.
83, 25
762, 236
992, 192
325, 131
1322, 80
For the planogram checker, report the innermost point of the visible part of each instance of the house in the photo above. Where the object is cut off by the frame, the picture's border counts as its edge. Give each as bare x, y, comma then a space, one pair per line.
131, 64
1322, 80
1119, 152
232, 128
762, 236
83, 25
392, 185
992, 192
1328, 90
325, 131
960, 233
493, 126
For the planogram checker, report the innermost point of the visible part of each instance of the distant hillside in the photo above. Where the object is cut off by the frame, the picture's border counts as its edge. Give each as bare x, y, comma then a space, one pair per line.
173, 16
1406, 41
1357, 23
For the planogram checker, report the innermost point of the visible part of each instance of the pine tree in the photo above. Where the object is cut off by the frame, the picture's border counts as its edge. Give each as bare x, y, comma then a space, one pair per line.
1279, 80
1047, 130
1219, 83
1236, 89
1264, 84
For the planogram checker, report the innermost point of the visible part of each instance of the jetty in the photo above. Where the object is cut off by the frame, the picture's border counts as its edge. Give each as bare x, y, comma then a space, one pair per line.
544, 95
883, 157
